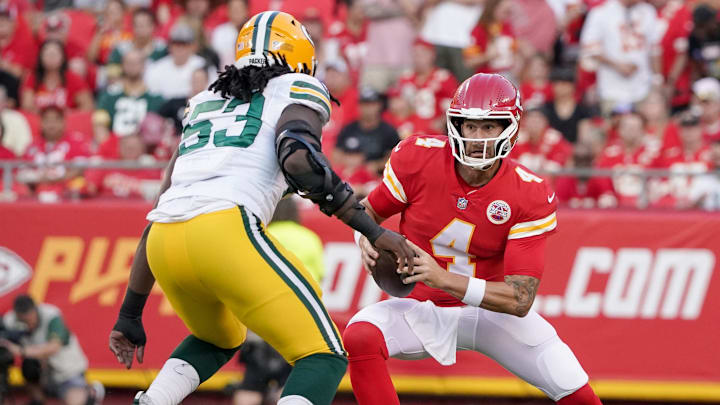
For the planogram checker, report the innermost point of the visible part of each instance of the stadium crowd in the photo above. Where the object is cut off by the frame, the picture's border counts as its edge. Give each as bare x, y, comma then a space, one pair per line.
606, 84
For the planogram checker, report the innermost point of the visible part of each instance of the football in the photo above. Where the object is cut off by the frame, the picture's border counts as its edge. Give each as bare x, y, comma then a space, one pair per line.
386, 277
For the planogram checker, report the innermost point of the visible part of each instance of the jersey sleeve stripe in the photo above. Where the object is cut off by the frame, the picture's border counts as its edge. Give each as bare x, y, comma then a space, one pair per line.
310, 97
533, 228
318, 94
393, 184
306, 85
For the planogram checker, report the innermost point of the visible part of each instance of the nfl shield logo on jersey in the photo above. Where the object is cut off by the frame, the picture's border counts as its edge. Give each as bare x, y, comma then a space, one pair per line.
498, 212
462, 203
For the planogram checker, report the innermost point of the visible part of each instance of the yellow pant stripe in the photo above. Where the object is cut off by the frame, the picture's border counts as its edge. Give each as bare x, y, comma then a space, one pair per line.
287, 272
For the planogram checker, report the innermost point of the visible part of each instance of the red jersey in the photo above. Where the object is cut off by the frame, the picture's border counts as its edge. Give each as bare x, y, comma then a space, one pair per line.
123, 183
352, 47
61, 96
474, 231
47, 155
674, 26
22, 48
430, 97
551, 152
535, 96
675, 191
627, 187
596, 192
502, 38
409, 125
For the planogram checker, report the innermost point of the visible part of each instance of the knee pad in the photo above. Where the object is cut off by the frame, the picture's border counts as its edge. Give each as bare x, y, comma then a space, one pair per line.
363, 339
31, 370
561, 369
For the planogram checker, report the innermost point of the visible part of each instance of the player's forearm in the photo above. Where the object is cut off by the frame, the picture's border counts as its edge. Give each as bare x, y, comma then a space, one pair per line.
514, 296
369, 209
141, 278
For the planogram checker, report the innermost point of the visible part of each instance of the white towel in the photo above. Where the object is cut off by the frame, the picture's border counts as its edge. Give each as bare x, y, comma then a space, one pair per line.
436, 327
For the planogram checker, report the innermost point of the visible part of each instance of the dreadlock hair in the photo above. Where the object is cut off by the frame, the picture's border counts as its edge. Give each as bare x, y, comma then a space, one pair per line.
244, 82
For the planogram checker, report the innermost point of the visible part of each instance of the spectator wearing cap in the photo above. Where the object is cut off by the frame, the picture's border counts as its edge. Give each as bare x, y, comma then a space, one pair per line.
401, 115
706, 95
53, 83
691, 156
129, 101
225, 35
535, 87
618, 40
143, 39
705, 191
54, 5
110, 33
429, 88
540, 147
563, 112
447, 26
347, 40
493, 47
390, 35
49, 179
339, 84
628, 152
674, 26
369, 135
170, 77
18, 49
704, 42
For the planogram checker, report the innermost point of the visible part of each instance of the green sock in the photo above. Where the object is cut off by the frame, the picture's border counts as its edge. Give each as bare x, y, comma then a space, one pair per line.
205, 357
316, 378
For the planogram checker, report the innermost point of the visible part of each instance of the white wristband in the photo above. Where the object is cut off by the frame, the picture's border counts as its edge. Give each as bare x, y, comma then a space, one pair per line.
475, 292
357, 236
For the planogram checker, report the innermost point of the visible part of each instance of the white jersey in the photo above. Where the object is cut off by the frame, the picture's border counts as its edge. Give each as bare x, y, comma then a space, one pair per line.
227, 155
625, 35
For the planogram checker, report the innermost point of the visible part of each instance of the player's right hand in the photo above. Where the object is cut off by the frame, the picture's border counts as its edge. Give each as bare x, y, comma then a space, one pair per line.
127, 336
368, 253
395, 243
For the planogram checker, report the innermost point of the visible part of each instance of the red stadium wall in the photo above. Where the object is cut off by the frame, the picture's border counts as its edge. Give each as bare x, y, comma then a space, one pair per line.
634, 294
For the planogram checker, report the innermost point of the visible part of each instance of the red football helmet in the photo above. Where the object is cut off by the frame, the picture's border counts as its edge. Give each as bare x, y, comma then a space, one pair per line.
484, 97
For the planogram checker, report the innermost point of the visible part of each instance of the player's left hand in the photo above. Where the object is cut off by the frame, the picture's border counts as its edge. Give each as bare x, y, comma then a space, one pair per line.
127, 336
426, 269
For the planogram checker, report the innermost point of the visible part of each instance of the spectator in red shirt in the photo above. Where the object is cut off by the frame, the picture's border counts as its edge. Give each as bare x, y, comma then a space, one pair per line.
18, 50
429, 87
706, 93
674, 27
340, 86
53, 84
57, 28
628, 153
536, 88
109, 34
49, 179
583, 191
401, 115
347, 40
662, 133
692, 155
540, 147
494, 47
126, 183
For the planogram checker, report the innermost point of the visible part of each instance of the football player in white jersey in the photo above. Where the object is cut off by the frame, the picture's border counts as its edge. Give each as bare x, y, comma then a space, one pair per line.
255, 132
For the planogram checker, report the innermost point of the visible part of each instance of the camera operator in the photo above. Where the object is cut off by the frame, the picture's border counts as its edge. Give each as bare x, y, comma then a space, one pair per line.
52, 360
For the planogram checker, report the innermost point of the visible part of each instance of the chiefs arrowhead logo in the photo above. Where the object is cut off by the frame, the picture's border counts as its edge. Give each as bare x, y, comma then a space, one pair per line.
14, 271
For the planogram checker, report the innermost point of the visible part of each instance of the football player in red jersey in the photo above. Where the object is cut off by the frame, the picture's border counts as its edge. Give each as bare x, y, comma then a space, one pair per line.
480, 223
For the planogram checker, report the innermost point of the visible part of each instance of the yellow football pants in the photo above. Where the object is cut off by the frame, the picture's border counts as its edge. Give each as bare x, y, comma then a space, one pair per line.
223, 273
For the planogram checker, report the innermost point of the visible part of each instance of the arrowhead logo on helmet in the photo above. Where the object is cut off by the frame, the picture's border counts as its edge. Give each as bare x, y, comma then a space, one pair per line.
484, 97
275, 32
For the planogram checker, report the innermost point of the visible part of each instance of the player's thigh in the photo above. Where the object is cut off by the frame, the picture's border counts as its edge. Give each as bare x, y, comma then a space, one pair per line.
205, 316
528, 347
388, 316
267, 288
